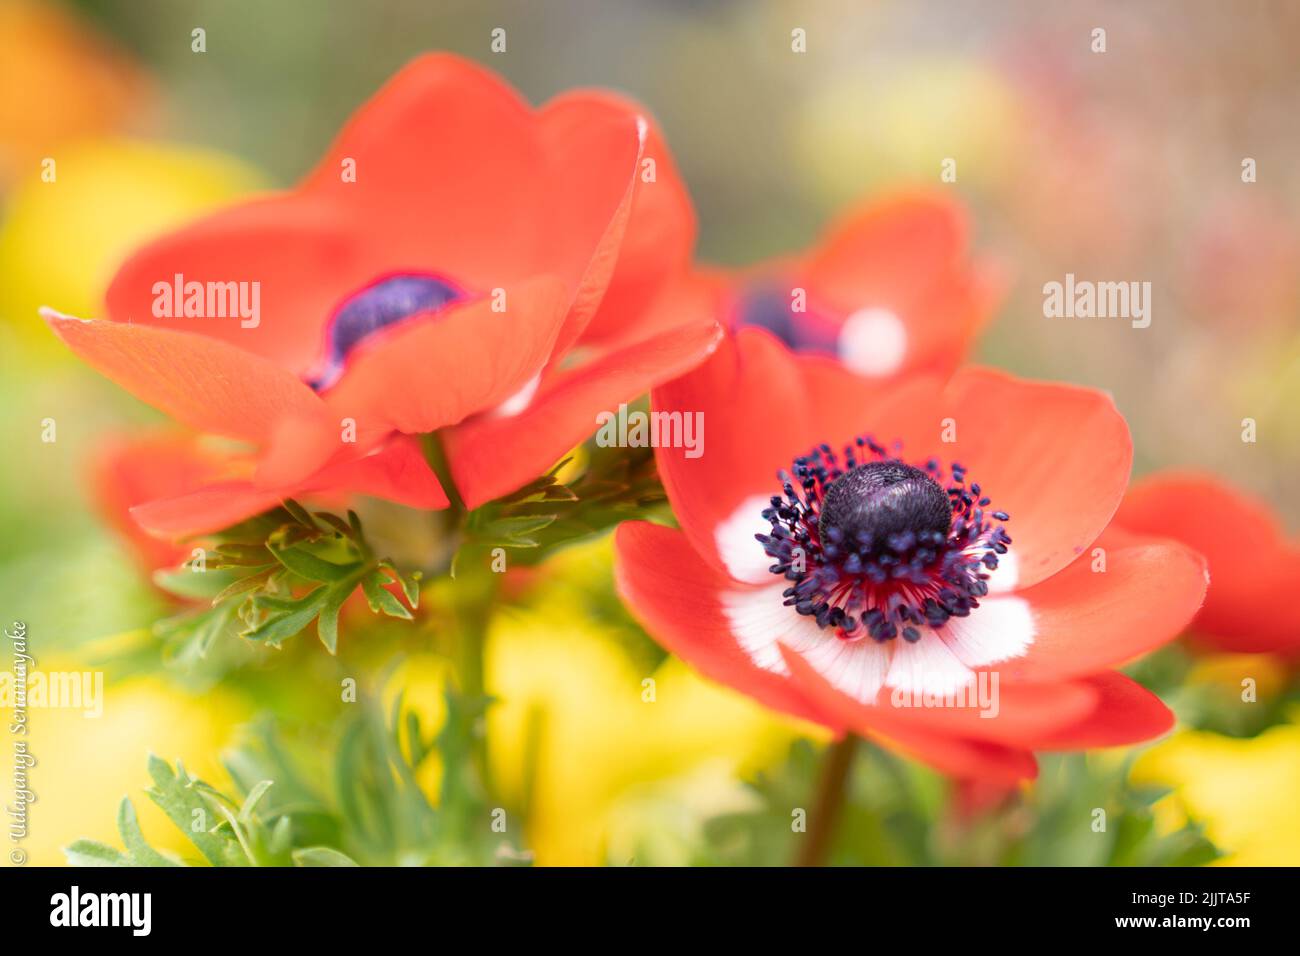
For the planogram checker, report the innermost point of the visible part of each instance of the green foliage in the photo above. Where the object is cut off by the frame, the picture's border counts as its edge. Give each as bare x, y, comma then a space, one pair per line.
1064, 808
617, 484
898, 813
353, 800
224, 831
268, 579
1212, 705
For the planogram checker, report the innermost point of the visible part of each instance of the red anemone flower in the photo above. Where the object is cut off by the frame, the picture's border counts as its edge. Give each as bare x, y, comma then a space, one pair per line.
166, 485
458, 261
890, 289
934, 566
1254, 569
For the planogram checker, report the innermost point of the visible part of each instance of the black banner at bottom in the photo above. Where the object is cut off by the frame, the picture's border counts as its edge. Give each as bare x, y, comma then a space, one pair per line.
334, 905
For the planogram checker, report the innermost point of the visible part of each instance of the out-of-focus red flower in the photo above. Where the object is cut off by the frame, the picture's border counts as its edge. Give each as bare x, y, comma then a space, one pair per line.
890, 574
1254, 568
891, 289
162, 486
129, 471
458, 262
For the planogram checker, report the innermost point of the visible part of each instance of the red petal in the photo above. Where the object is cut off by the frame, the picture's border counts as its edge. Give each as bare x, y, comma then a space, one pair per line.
209, 509
955, 755
595, 147
660, 234
1055, 457
907, 254
565, 410
433, 371
674, 594
1253, 567
303, 253
756, 415
450, 175
202, 382
396, 472
129, 472
1088, 621
1125, 713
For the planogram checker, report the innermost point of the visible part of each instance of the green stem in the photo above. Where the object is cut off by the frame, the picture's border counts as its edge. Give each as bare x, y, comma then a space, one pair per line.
829, 802
477, 594
436, 456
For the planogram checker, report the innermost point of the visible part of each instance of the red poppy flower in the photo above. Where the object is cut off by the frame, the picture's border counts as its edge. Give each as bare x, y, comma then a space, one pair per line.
890, 289
458, 261
876, 576
1253, 567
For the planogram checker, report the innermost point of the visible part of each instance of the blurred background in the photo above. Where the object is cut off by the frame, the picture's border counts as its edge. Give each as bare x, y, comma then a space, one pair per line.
1118, 165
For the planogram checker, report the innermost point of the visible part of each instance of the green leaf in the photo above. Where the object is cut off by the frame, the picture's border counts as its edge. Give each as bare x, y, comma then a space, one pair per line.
250, 802
195, 585
381, 600
239, 554
142, 854
322, 856
335, 522
410, 583
243, 585
176, 795
313, 568
287, 616
91, 853
300, 514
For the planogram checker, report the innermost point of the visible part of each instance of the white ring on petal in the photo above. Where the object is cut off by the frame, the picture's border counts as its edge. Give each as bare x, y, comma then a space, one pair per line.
1004, 578
761, 622
926, 667
998, 630
734, 537
873, 342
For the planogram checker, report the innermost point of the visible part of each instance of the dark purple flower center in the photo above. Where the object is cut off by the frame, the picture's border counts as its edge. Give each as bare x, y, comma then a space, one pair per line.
377, 306
771, 308
877, 546
883, 500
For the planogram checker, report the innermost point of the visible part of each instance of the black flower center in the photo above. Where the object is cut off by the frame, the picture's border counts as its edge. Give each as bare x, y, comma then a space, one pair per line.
875, 546
883, 501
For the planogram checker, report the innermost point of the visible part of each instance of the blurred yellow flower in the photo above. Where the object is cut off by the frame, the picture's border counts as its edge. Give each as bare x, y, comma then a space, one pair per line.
1226, 672
421, 682
61, 241
86, 764
606, 756
62, 81
1242, 789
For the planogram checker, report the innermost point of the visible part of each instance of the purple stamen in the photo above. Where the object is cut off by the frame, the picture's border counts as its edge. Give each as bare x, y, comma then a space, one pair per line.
880, 546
